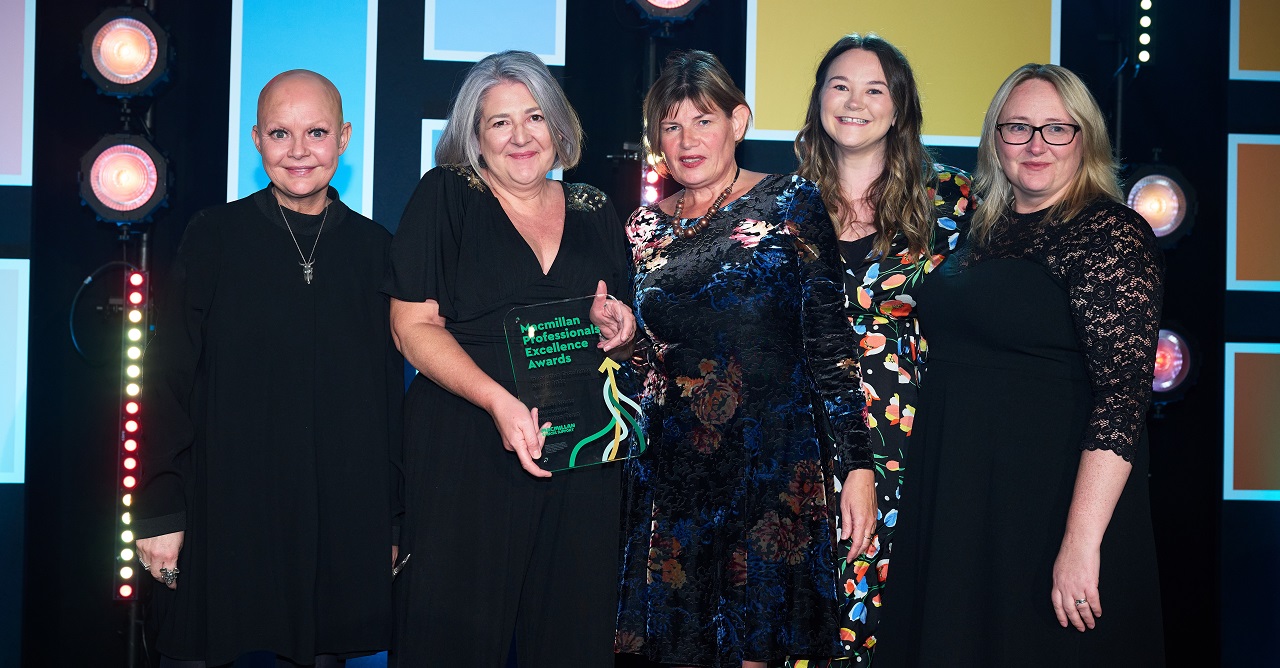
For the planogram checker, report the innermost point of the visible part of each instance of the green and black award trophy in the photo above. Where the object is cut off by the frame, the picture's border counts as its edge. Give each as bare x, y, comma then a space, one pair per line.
560, 371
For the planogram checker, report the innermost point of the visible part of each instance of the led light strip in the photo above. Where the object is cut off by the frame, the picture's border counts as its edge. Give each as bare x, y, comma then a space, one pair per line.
131, 426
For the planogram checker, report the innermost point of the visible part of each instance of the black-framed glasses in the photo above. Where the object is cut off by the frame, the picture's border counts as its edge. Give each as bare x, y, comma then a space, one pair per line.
1057, 134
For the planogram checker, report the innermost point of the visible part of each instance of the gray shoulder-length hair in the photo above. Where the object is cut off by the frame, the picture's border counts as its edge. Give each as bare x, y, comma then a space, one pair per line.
460, 141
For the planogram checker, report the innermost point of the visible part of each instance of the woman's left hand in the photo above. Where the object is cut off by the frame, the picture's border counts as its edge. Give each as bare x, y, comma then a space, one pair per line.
858, 510
1075, 578
616, 321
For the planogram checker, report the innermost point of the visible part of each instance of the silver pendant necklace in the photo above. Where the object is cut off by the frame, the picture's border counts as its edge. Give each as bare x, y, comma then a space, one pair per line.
308, 263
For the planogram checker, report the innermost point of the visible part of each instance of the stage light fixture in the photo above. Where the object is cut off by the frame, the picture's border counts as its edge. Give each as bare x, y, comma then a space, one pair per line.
668, 11
1165, 199
124, 179
125, 52
1176, 368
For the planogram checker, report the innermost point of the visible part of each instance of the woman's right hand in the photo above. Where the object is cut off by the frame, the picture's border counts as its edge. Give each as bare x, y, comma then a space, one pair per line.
161, 552
520, 432
858, 511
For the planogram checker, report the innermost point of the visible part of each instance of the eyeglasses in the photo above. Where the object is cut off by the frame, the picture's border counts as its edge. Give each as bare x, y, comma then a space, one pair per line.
1057, 134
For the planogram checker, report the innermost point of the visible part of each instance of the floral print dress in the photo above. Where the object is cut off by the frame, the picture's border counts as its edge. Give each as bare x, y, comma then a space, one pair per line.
891, 354
755, 414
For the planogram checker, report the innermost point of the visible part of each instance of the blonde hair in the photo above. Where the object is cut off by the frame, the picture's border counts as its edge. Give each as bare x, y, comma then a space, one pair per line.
900, 195
696, 77
1095, 178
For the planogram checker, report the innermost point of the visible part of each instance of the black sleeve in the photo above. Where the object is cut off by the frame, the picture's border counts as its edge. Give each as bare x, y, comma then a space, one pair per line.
1116, 288
424, 252
171, 363
616, 233
829, 337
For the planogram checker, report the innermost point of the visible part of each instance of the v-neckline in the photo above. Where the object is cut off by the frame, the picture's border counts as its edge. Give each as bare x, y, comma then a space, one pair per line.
564, 193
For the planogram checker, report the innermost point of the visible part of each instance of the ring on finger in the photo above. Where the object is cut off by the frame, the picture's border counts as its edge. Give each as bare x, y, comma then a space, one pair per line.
1082, 601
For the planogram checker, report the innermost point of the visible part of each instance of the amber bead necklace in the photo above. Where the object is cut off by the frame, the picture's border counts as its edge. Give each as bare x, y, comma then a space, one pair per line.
688, 231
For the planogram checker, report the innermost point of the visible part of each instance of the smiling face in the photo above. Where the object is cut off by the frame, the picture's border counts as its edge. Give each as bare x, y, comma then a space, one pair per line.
515, 140
697, 145
300, 135
1039, 172
857, 110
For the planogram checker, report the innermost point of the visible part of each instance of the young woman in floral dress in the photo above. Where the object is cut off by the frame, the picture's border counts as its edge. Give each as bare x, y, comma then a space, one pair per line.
898, 215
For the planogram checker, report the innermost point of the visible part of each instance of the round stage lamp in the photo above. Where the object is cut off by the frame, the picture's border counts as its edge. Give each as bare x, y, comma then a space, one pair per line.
1176, 365
125, 52
123, 179
1165, 200
668, 11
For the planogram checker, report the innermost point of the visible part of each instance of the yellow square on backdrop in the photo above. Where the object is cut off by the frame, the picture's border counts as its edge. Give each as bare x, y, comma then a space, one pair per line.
960, 53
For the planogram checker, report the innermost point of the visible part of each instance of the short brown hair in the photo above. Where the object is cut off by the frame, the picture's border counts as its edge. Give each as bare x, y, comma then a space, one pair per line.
691, 76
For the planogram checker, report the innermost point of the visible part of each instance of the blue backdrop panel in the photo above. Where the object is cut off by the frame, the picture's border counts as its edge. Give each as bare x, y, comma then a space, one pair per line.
264, 42
15, 277
471, 29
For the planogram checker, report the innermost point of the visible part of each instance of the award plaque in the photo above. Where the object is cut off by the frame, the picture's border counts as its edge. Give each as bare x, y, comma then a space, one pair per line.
560, 371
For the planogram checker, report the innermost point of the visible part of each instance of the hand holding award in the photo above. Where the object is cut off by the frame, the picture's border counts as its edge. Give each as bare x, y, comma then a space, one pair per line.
560, 373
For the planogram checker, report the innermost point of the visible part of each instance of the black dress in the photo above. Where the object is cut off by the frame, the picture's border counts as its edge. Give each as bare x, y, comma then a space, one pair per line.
755, 416
495, 550
271, 436
1042, 344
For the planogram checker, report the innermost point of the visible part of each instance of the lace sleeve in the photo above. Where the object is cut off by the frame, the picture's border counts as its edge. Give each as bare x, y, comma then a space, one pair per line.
1115, 285
829, 336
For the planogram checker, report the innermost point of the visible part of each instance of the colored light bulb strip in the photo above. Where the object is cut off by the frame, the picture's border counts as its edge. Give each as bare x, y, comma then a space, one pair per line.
132, 433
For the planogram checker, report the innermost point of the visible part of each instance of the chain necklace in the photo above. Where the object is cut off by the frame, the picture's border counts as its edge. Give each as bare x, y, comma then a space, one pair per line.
308, 263
701, 224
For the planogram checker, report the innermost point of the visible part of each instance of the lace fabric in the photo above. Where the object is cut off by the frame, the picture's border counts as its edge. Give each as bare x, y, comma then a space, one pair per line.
1108, 261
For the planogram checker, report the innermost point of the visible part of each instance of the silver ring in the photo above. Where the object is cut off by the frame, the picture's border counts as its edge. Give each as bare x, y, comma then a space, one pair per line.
169, 575
145, 565
1081, 601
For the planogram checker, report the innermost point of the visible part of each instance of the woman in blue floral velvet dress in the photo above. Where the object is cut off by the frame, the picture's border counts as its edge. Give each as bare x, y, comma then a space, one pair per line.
754, 407
898, 216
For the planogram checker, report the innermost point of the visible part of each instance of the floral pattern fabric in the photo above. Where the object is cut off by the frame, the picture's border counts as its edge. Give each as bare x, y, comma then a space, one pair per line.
891, 354
754, 413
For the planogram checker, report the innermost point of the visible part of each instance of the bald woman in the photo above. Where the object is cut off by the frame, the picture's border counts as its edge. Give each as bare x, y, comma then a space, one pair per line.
267, 505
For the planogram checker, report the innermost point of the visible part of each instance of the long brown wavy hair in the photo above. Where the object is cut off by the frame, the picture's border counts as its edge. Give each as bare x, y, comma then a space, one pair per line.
900, 195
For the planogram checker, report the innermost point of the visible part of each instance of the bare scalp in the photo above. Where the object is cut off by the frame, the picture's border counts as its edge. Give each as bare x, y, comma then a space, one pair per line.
294, 83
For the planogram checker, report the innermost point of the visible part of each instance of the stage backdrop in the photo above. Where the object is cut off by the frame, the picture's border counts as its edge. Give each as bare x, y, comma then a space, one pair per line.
955, 80
17, 70
1251, 382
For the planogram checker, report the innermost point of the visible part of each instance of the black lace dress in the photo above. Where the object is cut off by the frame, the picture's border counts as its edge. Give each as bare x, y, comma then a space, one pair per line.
1042, 344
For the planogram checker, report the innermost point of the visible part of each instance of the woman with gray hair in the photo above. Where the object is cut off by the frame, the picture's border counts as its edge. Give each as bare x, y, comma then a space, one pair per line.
501, 547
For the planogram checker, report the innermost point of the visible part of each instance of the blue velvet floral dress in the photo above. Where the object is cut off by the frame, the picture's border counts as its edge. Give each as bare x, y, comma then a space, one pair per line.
755, 415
